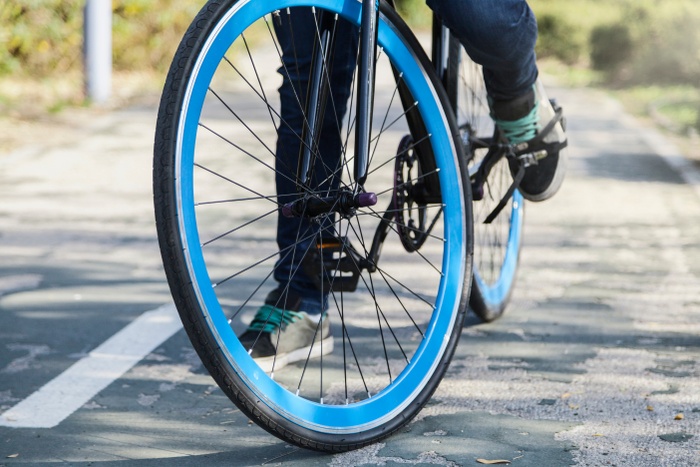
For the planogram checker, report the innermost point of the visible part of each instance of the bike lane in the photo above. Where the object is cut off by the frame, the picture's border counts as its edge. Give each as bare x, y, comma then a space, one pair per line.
592, 364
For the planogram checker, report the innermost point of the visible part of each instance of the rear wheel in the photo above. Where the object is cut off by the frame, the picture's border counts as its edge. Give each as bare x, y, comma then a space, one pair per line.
407, 257
496, 243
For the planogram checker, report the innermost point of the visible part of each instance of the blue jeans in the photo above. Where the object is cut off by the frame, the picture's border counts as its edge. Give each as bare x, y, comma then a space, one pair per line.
498, 34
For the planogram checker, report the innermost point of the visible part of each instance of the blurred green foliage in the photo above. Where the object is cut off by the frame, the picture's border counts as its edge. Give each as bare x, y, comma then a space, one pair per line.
42, 37
39, 36
147, 32
629, 41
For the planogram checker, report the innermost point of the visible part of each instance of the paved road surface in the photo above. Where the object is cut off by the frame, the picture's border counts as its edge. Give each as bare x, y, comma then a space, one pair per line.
597, 361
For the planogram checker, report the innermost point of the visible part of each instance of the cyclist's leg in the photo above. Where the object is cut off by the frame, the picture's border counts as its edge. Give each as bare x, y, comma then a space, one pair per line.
501, 37
289, 319
296, 38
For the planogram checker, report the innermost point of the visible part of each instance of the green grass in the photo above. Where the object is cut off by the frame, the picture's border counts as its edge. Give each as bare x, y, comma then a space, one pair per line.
676, 107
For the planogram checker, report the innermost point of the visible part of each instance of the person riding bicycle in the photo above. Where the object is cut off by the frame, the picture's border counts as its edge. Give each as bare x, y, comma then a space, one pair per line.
500, 36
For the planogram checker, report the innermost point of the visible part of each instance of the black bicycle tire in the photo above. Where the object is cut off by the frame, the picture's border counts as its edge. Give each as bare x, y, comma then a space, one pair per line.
176, 268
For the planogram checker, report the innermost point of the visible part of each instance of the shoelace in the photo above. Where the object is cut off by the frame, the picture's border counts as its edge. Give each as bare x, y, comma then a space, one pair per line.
269, 318
522, 129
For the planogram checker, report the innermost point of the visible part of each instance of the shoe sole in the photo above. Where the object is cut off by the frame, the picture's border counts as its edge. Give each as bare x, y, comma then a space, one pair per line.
323, 347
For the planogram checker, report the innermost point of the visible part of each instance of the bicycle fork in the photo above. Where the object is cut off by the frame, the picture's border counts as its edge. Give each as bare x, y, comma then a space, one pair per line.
345, 201
319, 89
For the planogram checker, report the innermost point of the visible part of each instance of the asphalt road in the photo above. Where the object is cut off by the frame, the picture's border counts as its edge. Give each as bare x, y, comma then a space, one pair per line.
597, 361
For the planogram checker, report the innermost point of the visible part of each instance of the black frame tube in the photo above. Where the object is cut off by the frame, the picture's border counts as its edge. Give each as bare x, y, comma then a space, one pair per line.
365, 93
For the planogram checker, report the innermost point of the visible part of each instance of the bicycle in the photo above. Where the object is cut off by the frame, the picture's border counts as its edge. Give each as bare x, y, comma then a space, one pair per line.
395, 238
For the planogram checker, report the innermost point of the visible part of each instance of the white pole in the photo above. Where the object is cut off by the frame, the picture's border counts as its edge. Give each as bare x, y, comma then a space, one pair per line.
98, 50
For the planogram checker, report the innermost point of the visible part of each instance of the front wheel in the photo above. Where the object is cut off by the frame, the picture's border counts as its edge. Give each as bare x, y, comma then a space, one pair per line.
395, 273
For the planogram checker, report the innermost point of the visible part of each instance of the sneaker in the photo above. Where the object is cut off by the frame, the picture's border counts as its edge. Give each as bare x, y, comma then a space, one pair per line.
279, 337
519, 121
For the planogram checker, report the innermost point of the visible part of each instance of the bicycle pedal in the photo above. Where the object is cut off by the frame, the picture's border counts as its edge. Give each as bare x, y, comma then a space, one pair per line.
531, 158
334, 265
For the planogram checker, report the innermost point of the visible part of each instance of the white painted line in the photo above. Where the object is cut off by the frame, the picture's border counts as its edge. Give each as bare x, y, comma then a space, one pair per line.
70, 390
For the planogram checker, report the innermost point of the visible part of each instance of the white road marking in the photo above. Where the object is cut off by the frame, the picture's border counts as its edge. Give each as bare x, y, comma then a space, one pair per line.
70, 390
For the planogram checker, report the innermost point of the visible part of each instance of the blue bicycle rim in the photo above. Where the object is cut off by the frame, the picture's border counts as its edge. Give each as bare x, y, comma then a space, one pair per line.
496, 293
394, 398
